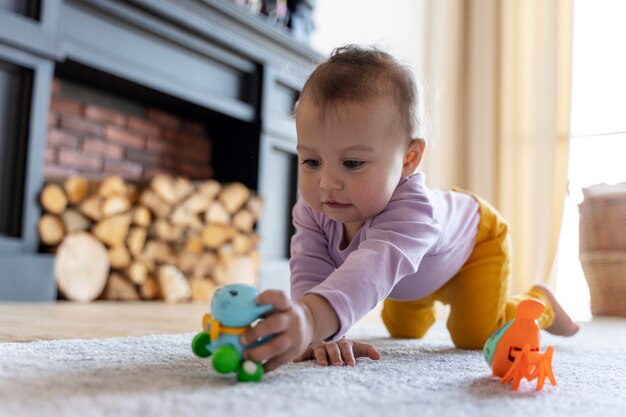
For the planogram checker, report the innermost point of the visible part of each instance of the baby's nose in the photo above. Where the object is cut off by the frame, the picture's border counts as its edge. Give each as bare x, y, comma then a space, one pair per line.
330, 180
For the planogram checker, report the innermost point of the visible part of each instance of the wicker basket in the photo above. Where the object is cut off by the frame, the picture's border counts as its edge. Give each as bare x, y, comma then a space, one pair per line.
602, 248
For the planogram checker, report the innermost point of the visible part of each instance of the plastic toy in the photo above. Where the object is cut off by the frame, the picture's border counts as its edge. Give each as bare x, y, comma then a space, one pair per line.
513, 351
233, 310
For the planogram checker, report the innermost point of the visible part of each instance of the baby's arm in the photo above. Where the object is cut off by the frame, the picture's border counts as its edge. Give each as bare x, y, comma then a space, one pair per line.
294, 326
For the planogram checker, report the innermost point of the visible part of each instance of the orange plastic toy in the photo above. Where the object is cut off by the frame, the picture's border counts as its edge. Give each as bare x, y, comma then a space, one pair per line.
513, 351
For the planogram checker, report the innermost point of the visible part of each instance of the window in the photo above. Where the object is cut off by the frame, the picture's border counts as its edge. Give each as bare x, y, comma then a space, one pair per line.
598, 129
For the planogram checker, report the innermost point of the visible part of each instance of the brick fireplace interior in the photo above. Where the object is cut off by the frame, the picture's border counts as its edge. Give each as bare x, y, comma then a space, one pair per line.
94, 133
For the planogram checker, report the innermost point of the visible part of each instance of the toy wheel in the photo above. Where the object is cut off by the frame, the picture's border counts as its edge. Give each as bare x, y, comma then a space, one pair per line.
250, 372
226, 359
200, 345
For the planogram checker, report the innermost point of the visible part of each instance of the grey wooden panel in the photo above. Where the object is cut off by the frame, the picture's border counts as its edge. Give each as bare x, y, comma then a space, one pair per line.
225, 23
26, 8
15, 86
277, 187
27, 277
20, 252
166, 60
37, 35
281, 92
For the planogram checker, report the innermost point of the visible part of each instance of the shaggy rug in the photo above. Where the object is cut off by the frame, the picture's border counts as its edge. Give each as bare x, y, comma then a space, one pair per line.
159, 376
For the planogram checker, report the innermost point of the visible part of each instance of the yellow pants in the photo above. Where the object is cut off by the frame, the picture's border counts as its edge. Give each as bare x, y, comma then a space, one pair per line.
477, 294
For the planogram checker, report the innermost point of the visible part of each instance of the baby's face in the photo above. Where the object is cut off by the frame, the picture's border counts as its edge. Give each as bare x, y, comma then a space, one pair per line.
351, 159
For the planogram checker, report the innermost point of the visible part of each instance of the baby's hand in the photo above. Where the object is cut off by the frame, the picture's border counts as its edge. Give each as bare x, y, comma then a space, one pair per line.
290, 325
342, 352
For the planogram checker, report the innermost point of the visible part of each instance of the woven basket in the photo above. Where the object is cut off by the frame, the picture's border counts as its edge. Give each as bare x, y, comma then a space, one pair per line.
602, 249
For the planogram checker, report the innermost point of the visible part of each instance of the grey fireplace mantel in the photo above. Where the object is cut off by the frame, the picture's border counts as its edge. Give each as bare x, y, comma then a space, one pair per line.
208, 54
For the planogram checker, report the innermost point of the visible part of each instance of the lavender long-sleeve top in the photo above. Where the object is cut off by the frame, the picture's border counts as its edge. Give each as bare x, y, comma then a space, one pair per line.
409, 250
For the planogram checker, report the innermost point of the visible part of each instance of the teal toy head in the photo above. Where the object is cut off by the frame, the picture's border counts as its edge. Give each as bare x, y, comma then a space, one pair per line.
235, 306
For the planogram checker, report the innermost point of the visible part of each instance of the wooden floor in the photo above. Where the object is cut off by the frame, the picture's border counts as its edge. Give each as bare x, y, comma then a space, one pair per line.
24, 322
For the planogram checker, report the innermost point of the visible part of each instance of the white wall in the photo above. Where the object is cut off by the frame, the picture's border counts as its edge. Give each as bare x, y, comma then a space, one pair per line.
395, 26
400, 28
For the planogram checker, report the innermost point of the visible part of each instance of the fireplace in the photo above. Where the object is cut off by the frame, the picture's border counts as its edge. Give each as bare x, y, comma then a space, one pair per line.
200, 88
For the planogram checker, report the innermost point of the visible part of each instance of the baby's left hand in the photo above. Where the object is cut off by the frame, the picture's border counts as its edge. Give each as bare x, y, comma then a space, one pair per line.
342, 352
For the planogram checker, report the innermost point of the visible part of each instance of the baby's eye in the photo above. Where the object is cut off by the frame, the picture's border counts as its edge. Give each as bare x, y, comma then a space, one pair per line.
353, 164
311, 163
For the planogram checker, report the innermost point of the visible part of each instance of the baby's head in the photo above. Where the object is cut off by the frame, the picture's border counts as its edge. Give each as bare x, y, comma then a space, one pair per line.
358, 133
353, 74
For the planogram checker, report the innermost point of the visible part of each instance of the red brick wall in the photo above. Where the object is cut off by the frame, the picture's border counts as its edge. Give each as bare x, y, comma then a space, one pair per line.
95, 141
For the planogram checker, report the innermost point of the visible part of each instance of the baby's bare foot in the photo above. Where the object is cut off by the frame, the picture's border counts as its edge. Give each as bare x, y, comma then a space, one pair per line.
563, 324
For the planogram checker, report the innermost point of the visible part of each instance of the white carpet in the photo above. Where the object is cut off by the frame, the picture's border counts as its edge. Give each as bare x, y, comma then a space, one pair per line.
159, 376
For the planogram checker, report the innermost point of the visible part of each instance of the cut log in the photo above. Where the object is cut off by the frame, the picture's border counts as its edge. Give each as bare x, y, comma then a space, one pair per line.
76, 189
138, 273
51, 229
119, 258
164, 187
142, 216
149, 290
174, 285
210, 188
187, 261
185, 218
233, 196
158, 206
206, 264
196, 203
238, 269
244, 243
168, 232
244, 220
53, 199
202, 289
216, 235
194, 244
157, 251
74, 221
115, 205
92, 208
217, 214
113, 186
255, 206
136, 240
119, 288
81, 267
113, 231
182, 188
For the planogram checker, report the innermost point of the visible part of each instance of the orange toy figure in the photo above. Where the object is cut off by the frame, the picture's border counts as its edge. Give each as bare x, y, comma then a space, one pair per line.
513, 351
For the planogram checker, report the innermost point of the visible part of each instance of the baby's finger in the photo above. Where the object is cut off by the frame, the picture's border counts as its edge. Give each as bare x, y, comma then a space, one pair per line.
365, 350
271, 325
277, 361
307, 354
346, 352
319, 351
268, 350
334, 354
277, 298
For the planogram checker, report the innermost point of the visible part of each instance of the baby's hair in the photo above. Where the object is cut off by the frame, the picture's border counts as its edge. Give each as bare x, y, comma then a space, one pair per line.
356, 74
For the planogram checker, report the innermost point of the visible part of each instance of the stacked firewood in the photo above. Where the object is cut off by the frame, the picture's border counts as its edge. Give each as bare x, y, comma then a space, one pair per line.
172, 239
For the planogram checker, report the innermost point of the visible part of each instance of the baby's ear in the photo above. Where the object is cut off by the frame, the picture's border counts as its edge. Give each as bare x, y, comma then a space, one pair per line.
413, 156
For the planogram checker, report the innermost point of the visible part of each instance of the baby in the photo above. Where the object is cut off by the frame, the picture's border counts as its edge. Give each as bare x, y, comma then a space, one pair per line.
368, 228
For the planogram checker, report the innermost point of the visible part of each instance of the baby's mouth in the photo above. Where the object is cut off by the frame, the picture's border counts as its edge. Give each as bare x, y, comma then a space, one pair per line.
336, 205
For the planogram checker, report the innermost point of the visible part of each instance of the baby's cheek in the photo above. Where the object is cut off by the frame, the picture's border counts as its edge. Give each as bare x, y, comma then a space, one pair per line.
373, 199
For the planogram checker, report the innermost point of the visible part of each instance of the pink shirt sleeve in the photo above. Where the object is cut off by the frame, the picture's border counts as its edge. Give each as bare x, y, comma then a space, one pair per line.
394, 244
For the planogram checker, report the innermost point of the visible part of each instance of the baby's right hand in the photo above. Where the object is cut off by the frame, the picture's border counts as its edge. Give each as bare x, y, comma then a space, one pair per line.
342, 352
288, 323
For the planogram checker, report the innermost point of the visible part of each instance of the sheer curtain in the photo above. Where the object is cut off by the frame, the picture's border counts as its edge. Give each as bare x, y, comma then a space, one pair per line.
498, 75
